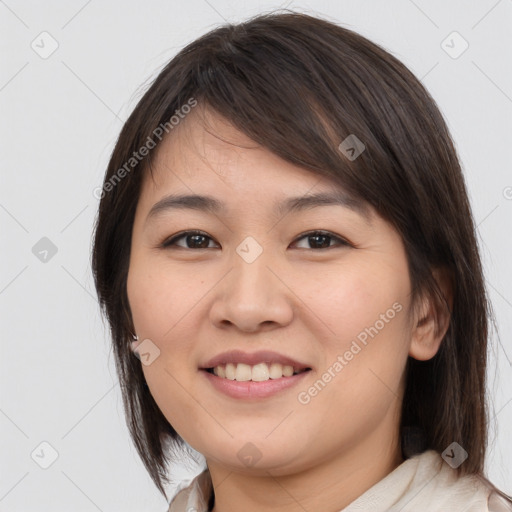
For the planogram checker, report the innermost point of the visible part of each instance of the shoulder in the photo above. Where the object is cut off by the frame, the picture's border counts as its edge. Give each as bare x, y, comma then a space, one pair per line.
426, 482
497, 503
193, 494
447, 489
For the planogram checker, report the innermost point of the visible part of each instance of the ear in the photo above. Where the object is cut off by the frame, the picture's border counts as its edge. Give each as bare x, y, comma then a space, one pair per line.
432, 321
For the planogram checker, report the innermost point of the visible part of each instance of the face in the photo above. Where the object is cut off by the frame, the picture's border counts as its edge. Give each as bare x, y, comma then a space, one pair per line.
272, 336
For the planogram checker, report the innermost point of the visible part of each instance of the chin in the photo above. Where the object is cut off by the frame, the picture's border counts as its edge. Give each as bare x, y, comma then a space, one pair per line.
256, 455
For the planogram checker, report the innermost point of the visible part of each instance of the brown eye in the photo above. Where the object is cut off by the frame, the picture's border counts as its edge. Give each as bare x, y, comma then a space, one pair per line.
199, 240
193, 240
322, 239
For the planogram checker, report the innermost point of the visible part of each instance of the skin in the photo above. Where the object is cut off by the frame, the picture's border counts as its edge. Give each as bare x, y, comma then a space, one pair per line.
305, 302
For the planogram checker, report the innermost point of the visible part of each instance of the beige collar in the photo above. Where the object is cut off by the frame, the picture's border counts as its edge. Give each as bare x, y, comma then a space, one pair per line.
422, 483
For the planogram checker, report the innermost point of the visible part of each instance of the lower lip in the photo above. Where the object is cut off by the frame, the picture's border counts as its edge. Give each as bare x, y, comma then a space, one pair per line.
252, 389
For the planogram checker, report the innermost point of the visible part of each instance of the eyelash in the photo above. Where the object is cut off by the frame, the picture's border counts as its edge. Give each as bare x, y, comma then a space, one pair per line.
169, 242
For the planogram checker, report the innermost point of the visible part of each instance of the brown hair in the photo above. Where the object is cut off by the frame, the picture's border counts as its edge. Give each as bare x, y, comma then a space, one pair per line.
299, 85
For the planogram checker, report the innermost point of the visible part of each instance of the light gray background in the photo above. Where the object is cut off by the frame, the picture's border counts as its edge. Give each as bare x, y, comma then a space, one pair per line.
60, 118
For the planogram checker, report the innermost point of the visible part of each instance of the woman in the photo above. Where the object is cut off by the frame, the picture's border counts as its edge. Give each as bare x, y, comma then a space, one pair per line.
285, 243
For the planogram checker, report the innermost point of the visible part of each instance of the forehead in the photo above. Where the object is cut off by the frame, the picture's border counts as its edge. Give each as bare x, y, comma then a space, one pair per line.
207, 147
208, 164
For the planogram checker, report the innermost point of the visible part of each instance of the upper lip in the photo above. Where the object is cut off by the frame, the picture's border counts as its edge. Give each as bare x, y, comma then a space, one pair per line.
262, 356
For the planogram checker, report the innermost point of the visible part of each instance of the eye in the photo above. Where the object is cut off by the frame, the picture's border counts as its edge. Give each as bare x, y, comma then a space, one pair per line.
199, 240
321, 239
193, 240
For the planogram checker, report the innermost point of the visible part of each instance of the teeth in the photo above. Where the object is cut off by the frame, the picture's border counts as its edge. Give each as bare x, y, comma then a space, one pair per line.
276, 371
220, 371
258, 373
230, 371
243, 372
287, 371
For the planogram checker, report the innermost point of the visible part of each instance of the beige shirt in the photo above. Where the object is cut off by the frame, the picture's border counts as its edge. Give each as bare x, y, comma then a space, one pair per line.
422, 483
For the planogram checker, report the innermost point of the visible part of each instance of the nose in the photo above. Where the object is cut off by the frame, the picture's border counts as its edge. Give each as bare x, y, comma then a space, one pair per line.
253, 296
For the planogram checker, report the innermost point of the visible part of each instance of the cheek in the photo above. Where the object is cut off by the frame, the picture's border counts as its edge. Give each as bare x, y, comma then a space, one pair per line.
161, 298
351, 302
359, 388
365, 352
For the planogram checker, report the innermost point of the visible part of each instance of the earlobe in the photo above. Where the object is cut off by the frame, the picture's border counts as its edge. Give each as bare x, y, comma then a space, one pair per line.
433, 319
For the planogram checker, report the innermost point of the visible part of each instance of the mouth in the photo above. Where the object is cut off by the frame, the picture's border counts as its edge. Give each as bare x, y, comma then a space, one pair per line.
254, 376
259, 372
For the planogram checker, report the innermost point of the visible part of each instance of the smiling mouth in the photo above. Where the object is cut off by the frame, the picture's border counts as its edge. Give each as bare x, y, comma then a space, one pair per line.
260, 372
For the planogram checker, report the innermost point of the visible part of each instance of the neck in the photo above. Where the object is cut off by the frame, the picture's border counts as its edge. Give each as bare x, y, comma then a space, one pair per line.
329, 486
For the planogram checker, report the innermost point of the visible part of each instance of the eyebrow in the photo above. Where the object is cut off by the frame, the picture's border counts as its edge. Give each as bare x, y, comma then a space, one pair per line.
292, 204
